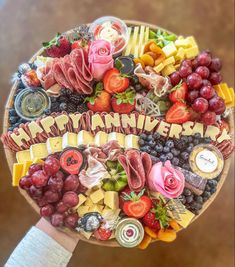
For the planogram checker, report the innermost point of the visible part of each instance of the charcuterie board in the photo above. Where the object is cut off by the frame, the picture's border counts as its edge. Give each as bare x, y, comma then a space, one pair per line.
134, 124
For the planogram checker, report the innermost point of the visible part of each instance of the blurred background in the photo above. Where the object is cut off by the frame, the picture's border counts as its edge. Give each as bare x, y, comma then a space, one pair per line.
24, 24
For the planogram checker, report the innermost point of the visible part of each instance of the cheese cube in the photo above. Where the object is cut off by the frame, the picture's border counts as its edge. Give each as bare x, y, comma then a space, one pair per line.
232, 104
180, 54
192, 41
88, 202
82, 210
23, 156
168, 61
191, 52
168, 70
111, 199
177, 66
131, 141
228, 96
87, 193
119, 137
96, 208
158, 68
38, 161
54, 144
182, 43
97, 196
101, 138
169, 50
38, 151
180, 37
81, 200
69, 140
17, 173
26, 166
85, 138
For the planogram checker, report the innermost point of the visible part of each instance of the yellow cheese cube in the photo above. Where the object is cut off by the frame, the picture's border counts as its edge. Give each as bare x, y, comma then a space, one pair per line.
96, 208
177, 66
168, 61
88, 202
81, 200
180, 37
182, 43
88, 192
82, 210
158, 68
111, 199
17, 173
168, 70
119, 137
23, 156
69, 140
170, 49
106, 210
227, 93
97, 195
38, 161
38, 151
26, 166
180, 54
85, 138
219, 91
54, 144
232, 104
191, 41
131, 141
191, 52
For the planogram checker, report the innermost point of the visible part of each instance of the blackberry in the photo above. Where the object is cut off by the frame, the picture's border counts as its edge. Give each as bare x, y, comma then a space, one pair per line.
53, 99
82, 108
63, 98
76, 99
71, 108
63, 106
65, 92
55, 107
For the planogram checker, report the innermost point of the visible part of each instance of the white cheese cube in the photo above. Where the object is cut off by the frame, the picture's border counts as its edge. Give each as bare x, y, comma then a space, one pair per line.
118, 137
23, 156
69, 140
54, 144
38, 151
101, 138
169, 50
131, 141
85, 138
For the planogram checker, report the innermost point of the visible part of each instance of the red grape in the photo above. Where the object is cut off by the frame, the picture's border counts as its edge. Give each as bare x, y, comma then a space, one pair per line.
200, 105
34, 192
51, 196
55, 184
217, 105
42, 202
186, 62
51, 165
175, 78
39, 178
61, 207
204, 59
70, 199
208, 118
203, 71
205, 82
47, 210
207, 92
184, 71
57, 219
59, 175
71, 183
71, 220
25, 182
215, 65
192, 95
194, 63
215, 78
194, 81
33, 168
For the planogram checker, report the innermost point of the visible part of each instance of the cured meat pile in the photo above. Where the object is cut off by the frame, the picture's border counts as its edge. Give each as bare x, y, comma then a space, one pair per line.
70, 72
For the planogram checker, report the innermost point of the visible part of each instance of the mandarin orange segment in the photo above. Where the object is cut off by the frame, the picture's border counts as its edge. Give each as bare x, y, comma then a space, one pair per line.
152, 54
145, 242
150, 232
174, 225
167, 235
138, 60
147, 46
148, 60
159, 60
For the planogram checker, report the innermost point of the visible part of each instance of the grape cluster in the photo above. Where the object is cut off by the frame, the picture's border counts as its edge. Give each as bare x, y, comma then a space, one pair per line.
200, 75
55, 193
193, 202
175, 150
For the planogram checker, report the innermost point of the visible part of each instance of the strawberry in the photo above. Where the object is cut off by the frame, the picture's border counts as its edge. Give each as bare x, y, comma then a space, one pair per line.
102, 234
100, 100
124, 102
114, 82
151, 221
136, 205
178, 113
179, 92
59, 46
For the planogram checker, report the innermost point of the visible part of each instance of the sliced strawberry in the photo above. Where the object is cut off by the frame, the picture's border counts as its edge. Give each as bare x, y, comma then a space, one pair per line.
114, 82
102, 234
179, 92
178, 113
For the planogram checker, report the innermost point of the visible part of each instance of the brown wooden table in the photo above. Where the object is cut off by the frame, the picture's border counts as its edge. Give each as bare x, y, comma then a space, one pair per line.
25, 24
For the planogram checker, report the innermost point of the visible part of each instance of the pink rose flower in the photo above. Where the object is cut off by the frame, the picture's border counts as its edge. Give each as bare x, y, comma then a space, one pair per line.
100, 58
166, 180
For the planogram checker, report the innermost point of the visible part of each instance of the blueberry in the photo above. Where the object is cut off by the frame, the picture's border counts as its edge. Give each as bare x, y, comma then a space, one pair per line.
208, 188
175, 152
12, 112
10, 129
166, 149
190, 139
63, 106
197, 135
186, 166
196, 141
148, 149
182, 198
13, 119
169, 156
213, 190
63, 91
163, 158
187, 192
184, 155
152, 143
189, 199
22, 120
156, 136
175, 161
153, 153
199, 199
206, 194
47, 112
149, 137
53, 99
169, 143
196, 206
21, 84
154, 159
159, 148
212, 183
184, 139
189, 148
141, 142
143, 136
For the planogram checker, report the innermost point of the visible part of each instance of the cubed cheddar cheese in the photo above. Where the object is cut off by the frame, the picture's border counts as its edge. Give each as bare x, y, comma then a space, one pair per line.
97, 195
89, 202
82, 210
26, 166
168, 61
180, 54
17, 173
81, 200
159, 67
54, 144
170, 49
96, 208
228, 96
191, 41
182, 43
169, 69
191, 52
38, 151
111, 199
23, 156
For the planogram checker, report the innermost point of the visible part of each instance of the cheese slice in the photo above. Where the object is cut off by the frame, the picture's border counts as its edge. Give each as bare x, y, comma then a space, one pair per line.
159, 68
101, 138
54, 144
38, 151
85, 138
111, 199
131, 141
17, 173
141, 40
219, 91
88, 202
134, 42
69, 140
180, 54
168, 61
129, 45
192, 41
26, 166
232, 104
228, 96
23, 156
119, 137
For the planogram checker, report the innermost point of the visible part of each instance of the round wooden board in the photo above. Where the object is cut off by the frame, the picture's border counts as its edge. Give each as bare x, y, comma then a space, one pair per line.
10, 156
